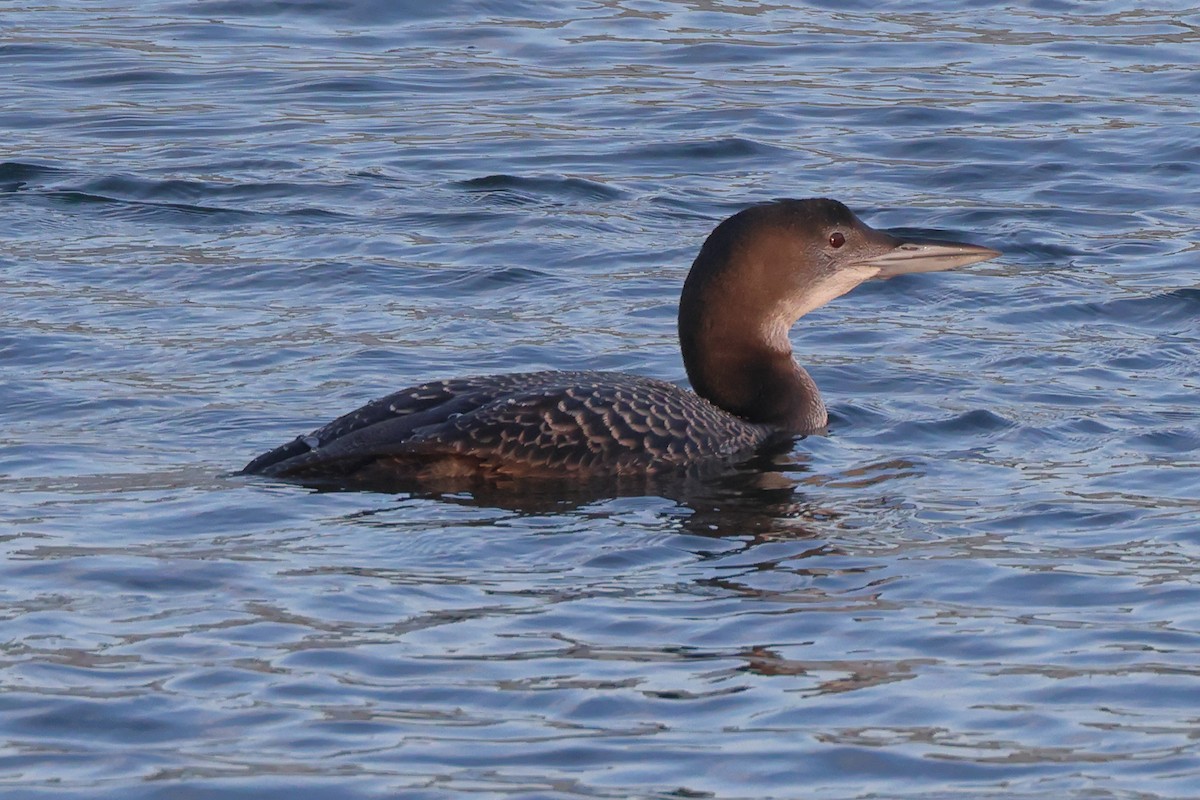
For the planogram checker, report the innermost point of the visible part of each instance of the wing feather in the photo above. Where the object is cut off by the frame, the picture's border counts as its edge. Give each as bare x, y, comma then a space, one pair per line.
545, 423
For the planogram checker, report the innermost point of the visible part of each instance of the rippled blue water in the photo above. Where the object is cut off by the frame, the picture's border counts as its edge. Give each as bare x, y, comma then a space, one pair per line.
224, 223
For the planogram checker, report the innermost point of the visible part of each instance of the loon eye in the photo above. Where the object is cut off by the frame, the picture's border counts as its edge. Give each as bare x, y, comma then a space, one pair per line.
836, 239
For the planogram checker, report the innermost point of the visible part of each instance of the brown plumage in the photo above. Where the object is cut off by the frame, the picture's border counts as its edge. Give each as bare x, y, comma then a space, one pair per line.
757, 273
536, 424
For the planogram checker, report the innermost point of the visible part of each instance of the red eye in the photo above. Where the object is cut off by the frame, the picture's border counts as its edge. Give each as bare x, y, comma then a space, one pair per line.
836, 239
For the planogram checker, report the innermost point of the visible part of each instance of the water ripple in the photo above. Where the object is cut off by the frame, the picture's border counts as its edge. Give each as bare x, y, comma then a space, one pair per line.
227, 223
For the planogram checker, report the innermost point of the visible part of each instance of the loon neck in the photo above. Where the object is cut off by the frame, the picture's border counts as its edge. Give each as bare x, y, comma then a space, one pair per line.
755, 377
747, 287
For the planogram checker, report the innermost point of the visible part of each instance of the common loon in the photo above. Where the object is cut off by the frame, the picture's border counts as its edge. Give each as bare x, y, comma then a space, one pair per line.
757, 273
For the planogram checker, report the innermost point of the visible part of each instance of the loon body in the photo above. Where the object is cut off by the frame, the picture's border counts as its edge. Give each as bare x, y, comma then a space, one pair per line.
757, 273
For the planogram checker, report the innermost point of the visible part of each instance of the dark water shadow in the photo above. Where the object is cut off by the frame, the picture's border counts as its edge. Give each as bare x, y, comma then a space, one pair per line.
758, 499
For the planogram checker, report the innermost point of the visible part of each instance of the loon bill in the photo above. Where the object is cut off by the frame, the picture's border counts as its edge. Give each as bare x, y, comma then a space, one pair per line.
757, 273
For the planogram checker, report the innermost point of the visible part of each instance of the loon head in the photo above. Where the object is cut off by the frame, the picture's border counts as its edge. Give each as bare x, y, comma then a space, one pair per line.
761, 270
783, 259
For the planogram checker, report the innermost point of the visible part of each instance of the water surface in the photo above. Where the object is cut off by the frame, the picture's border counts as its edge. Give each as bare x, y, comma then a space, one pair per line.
224, 223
